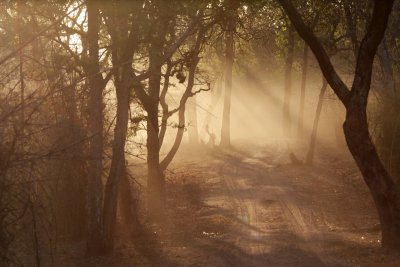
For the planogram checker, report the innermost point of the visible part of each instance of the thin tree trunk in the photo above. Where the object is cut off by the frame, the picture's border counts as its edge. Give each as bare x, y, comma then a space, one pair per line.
300, 129
74, 169
193, 131
226, 113
287, 120
310, 153
156, 179
117, 170
123, 46
95, 125
165, 109
385, 60
128, 205
351, 20
178, 139
155, 182
182, 106
229, 57
20, 11
215, 97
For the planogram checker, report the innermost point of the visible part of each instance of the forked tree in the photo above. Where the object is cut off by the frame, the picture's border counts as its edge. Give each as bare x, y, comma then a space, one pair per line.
385, 192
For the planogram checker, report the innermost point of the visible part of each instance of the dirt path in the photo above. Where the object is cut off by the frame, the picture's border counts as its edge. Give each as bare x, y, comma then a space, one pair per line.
255, 194
252, 207
260, 210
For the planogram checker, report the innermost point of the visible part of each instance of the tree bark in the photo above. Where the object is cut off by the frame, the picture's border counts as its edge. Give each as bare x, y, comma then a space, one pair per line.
310, 153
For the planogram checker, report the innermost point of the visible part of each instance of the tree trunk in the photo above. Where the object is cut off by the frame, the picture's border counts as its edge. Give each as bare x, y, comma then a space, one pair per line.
156, 179
182, 103
385, 60
181, 113
229, 60
74, 171
384, 191
128, 205
95, 125
287, 121
178, 139
226, 113
165, 108
350, 10
117, 170
155, 182
310, 153
338, 127
193, 131
300, 129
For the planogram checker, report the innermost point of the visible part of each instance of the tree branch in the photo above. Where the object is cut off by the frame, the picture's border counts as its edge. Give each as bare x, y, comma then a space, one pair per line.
336, 83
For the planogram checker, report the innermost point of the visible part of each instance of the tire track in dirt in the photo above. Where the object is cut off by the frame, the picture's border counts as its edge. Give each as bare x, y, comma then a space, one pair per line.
313, 239
233, 172
246, 211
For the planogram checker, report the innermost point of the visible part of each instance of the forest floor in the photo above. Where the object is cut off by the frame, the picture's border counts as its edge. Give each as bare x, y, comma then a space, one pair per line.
251, 206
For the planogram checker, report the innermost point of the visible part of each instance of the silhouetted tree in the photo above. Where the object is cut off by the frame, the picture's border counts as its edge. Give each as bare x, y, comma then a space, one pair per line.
384, 190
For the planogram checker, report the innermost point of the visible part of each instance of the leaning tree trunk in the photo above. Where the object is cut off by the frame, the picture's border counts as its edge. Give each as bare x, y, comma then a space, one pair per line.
178, 138
310, 153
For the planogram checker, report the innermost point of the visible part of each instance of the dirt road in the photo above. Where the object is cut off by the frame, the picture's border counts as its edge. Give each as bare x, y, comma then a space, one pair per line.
253, 207
271, 227
258, 209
